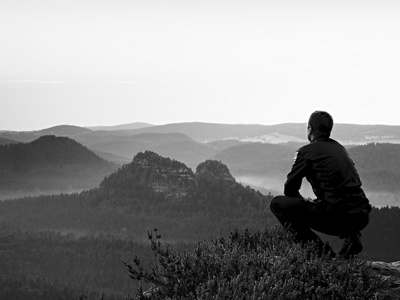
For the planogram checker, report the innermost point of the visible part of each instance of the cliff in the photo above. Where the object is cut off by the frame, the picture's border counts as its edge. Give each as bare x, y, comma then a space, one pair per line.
149, 170
164, 175
214, 171
150, 176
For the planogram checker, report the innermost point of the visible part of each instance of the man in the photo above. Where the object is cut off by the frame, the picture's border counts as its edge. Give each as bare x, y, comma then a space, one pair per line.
341, 208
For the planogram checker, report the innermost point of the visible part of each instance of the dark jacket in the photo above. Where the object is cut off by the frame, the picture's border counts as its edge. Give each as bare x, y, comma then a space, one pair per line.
332, 174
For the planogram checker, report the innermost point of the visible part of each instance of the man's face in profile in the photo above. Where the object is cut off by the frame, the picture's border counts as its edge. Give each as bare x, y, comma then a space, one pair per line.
309, 133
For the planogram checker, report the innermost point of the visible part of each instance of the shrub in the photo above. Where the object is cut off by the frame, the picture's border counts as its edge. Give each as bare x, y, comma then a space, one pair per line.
265, 264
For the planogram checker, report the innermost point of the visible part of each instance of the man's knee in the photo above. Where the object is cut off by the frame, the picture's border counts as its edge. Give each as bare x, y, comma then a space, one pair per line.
275, 201
285, 203
276, 204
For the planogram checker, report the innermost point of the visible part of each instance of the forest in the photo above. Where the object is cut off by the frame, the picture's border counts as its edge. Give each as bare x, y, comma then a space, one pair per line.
58, 263
378, 165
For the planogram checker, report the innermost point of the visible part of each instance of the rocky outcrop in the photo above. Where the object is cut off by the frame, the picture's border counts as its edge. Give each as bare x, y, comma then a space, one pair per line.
164, 175
173, 179
389, 271
215, 171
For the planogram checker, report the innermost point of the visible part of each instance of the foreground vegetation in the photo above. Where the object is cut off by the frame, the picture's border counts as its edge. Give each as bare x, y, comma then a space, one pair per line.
262, 265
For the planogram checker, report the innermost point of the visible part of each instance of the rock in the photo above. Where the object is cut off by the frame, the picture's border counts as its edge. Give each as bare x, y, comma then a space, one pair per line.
162, 175
214, 170
389, 271
150, 175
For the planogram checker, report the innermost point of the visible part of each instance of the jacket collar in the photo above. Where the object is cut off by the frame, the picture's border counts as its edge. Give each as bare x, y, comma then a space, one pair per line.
319, 138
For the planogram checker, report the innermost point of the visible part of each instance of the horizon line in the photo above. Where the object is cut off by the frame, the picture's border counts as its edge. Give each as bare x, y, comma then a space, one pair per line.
176, 123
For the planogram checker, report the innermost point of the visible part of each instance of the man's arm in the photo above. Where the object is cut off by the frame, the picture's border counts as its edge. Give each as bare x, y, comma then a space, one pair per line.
295, 176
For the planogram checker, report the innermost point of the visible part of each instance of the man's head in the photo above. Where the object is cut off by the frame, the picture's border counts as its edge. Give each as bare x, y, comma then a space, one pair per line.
320, 123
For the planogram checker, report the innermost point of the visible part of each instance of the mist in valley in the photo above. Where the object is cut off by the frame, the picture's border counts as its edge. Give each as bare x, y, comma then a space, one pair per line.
22, 194
275, 185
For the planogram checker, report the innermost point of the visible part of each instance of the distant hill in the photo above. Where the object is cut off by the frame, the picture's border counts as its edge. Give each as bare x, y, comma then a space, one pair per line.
280, 133
224, 144
207, 132
50, 163
174, 145
120, 160
130, 126
379, 168
29, 136
362, 134
64, 130
4, 141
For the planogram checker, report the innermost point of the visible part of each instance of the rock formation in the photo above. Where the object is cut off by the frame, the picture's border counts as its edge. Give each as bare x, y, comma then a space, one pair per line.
214, 170
167, 177
162, 175
391, 272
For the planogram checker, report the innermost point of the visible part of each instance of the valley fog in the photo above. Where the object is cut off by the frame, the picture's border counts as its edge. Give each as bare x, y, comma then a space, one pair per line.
22, 194
274, 185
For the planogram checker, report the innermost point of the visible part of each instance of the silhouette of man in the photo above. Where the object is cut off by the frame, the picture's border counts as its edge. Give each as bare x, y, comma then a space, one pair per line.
341, 208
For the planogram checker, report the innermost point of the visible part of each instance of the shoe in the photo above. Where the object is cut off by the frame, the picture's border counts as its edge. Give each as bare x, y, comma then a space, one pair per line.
351, 246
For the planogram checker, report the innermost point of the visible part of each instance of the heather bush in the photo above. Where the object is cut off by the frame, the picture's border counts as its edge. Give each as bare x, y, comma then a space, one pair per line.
265, 264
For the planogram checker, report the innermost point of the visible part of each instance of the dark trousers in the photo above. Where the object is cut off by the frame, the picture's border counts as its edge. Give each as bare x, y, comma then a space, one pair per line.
301, 216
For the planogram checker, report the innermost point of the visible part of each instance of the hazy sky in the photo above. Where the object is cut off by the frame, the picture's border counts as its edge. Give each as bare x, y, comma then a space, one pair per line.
108, 62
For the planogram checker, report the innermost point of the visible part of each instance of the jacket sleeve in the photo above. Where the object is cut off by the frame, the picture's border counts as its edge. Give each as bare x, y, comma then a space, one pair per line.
296, 175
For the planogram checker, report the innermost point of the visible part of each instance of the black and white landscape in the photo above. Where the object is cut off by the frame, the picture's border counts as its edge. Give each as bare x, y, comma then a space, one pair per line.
156, 133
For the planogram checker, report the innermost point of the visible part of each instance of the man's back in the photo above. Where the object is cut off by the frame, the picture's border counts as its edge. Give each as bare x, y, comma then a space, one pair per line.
331, 172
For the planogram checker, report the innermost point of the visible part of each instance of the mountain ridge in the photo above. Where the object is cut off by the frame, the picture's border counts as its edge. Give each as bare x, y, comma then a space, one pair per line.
50, 163
206, 132
128, 126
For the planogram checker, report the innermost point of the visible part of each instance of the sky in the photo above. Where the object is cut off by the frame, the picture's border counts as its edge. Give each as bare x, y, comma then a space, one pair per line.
109, 62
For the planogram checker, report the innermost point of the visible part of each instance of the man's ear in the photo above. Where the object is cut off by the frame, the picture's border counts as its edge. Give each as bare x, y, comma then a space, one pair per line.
309, 129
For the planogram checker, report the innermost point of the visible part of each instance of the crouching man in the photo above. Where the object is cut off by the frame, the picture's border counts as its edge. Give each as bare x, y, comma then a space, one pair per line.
341, 208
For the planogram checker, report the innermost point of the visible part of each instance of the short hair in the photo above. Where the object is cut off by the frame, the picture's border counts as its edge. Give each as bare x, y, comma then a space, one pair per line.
321, 122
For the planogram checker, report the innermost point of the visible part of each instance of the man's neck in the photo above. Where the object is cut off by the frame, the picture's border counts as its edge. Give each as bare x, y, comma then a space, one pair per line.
319, 136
